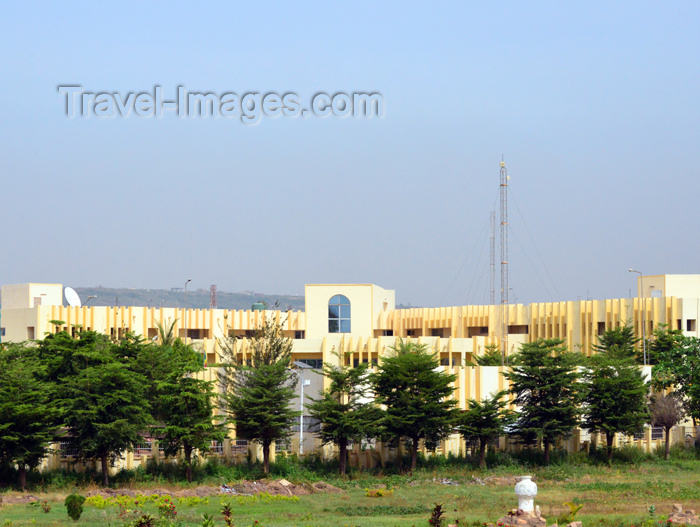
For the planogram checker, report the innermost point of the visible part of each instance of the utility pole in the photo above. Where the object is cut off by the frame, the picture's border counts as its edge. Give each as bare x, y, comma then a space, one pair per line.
492, 265
504, 262
185, 313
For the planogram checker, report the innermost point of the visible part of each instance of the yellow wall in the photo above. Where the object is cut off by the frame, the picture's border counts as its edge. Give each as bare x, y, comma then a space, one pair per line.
369, 304
19, 296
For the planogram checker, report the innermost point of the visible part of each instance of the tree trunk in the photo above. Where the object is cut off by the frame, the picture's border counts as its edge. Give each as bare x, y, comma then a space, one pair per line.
343, 456
399, 460
546, 451
668, 444
609, 437
188, 463
266, 457
22, 476
482, 453
105, 470
414, 454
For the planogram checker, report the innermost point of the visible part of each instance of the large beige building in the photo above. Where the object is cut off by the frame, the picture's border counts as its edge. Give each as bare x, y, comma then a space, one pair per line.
362, 319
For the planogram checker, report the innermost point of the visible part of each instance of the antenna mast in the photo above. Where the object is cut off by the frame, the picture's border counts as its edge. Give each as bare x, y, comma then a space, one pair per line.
492, 268
212, 296
504, 260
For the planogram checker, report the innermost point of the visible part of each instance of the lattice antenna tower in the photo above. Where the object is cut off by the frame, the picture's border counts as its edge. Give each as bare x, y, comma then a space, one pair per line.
504, 260
492, 263
212, 296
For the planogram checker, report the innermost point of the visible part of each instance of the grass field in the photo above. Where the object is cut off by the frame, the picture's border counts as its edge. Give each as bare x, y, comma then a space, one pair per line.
615, 496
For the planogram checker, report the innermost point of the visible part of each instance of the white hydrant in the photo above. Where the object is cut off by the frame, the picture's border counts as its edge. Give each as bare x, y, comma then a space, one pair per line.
526, 491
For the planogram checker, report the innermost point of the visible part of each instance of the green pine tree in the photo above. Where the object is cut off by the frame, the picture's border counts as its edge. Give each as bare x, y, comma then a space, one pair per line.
257, 396
186, 406
28, 420
417, 396
619, 342
677, 366
615, 391
545, 383
485, 421
492, 356
99, 395
343, 409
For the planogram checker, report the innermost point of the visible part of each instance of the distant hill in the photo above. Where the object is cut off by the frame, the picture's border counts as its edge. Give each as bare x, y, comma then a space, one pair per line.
198, 298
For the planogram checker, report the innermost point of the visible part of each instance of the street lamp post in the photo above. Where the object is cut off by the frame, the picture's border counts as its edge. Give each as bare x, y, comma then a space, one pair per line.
302, 366
89, 298
185, 314
642, 305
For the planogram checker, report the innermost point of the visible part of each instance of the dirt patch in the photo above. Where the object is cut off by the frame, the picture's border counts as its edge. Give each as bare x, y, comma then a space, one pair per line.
244, 487
240, 488
275, 488
18, 499
498, 481
325, 487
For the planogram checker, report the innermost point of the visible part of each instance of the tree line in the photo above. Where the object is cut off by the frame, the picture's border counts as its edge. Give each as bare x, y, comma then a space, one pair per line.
102, 397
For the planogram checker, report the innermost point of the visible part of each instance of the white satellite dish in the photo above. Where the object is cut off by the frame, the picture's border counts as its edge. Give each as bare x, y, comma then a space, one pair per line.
72, 297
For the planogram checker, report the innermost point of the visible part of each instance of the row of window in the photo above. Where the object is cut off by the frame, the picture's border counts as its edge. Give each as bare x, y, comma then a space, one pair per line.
238, 446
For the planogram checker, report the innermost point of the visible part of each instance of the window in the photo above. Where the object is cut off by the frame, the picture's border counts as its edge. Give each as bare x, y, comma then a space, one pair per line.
2, 332
601, 328
196, 334
690, 324
473, 331
239, 446
217, 447
30, 333
299, 334
283, 446
316, 364
144, 448
657, 432
66, 450
339, 314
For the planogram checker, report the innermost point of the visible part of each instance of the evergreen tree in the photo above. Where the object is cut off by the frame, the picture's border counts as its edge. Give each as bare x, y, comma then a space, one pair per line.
619, 342
28, 420
492, 356
343, 410
257, 395
417, 396
185, 406
615, 397
100, 397
485, 421
677, 366
545, 384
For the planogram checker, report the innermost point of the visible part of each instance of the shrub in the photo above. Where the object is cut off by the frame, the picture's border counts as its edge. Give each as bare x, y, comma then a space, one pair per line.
74, 506
145, 520
378, 493
167, 509
436, 515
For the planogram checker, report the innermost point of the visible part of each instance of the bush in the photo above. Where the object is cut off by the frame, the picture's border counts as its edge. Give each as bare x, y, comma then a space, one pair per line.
629, 454
74, 505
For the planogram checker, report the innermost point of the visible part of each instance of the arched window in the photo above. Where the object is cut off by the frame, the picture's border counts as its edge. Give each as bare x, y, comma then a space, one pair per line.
339, 314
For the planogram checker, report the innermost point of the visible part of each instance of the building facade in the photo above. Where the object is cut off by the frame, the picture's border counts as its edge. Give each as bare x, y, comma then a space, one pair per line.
362, 319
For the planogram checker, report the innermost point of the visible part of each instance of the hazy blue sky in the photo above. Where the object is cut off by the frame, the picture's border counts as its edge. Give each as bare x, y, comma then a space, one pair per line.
595, 106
